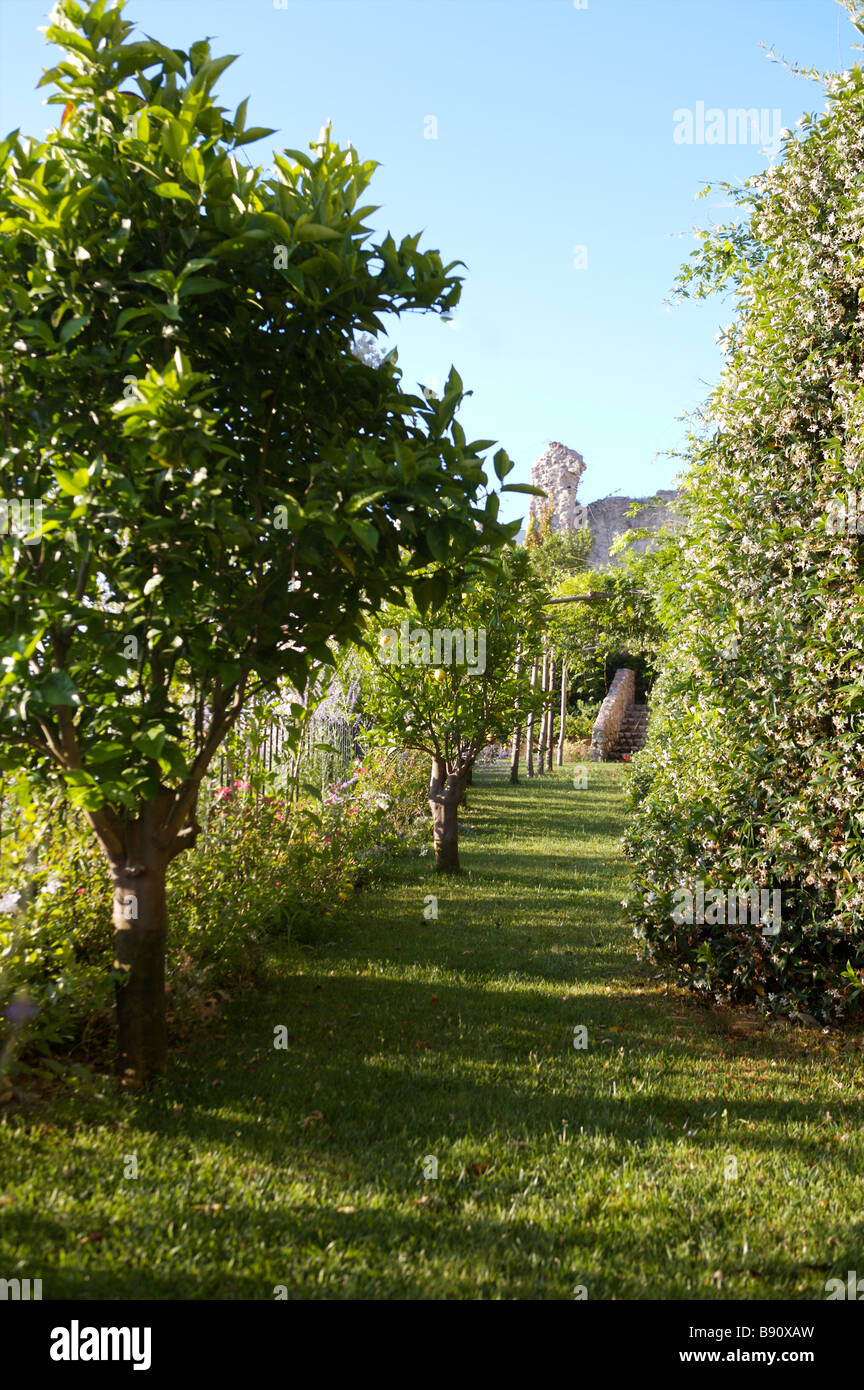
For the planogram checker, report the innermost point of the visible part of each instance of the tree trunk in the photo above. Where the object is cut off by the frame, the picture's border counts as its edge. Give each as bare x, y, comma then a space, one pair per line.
515, 746
445, 792
529, 728
140, 930
550, 737
139, 857
563, 714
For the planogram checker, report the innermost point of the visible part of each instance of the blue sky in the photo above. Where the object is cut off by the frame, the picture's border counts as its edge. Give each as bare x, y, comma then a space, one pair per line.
553, 130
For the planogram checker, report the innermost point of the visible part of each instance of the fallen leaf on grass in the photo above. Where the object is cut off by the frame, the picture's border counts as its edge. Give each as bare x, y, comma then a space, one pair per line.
312, 1119
346, 1211
209, 1208
93, 1238
479, 1167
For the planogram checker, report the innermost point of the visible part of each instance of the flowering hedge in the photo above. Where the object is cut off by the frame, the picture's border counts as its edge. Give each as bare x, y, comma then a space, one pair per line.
754, 769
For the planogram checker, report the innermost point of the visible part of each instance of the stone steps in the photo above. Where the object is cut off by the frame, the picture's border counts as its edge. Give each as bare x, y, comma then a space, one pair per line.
632, 734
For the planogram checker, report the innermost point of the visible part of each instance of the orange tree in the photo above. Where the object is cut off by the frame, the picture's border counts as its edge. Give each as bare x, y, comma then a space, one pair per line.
450, 683
225, 488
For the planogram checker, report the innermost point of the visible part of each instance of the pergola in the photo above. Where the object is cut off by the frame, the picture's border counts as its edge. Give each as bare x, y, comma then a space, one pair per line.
547, 684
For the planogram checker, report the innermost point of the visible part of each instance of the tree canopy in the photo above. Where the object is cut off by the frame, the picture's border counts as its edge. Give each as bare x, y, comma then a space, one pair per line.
225, 487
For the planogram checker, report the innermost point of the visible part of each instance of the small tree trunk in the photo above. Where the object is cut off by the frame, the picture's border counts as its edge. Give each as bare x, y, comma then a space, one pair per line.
140, 929
139, 864
515, 748
550, 737
445, 792
529, 728
563, 714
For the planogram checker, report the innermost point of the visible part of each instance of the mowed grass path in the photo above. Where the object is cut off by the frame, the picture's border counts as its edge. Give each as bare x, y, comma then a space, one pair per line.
684, 1153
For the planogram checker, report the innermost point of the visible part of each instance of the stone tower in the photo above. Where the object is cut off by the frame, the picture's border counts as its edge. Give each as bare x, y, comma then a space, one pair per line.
558, 471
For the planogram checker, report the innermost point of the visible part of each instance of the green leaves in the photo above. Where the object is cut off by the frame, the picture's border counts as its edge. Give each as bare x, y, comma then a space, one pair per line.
754, 768
72, 483
72, 327
314, 231
174, 139
430, 592
149, 740
502, 465
227, 493
173, 190
58, 689
441, 676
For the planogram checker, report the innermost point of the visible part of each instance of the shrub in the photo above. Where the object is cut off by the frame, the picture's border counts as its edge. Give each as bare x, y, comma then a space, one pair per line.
260, 867
579, 722
753, 769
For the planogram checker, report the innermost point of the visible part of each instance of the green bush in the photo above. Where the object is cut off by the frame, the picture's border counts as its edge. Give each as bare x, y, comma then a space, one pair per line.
753, 769
580, 720
258, 868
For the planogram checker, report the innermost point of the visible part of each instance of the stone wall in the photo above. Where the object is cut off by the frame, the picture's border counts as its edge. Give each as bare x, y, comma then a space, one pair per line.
612, 713
607, 518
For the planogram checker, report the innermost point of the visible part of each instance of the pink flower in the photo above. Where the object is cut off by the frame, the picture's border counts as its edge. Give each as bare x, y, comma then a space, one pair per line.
79, 890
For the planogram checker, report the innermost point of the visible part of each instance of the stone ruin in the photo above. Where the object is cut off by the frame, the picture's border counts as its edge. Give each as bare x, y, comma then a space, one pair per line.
559, 471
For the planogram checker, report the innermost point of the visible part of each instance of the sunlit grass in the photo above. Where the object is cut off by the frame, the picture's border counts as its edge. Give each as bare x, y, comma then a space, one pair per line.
683, 1154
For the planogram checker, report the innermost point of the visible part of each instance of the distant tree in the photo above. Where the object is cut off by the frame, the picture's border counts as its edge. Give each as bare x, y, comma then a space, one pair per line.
445, 708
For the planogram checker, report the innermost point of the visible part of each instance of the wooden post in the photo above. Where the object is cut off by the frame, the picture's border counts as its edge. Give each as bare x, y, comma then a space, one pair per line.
563, 713
517, 728
550, 718
529, 728
541, 746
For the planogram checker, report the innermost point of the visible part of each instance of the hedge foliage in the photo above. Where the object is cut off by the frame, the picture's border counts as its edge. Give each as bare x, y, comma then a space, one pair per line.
754, 770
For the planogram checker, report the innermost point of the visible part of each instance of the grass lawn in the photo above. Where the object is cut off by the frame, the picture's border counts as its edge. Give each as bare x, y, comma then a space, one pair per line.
684, 1153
